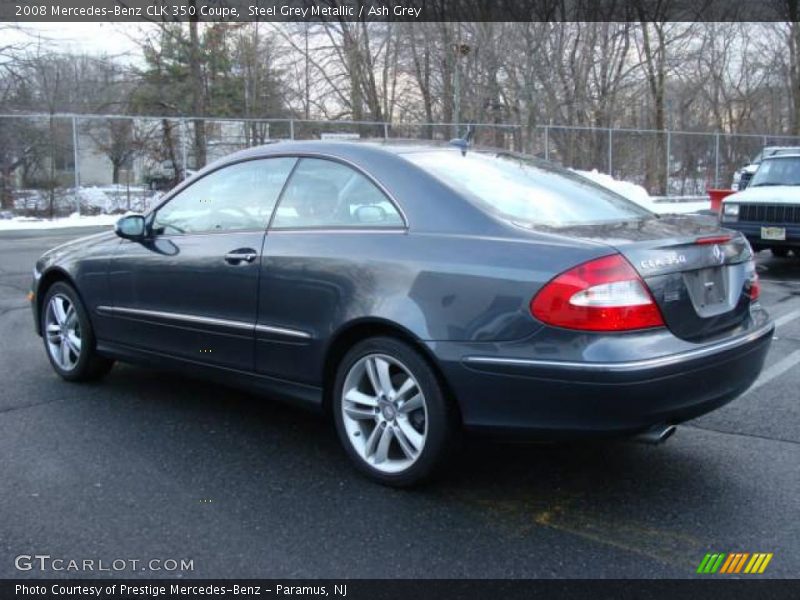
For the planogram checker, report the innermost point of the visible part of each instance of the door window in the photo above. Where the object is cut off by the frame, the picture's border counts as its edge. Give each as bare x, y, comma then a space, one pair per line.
234, 198
324, 193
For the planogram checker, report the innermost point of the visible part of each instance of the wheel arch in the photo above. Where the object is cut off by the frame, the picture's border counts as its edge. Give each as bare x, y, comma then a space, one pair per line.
356, 331
50, 277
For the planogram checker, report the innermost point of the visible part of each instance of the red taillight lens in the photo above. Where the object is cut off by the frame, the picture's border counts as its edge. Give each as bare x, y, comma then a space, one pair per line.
605, 294
755, 287
714, 239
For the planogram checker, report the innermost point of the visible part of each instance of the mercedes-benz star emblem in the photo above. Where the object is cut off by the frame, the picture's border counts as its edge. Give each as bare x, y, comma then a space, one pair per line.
719, 255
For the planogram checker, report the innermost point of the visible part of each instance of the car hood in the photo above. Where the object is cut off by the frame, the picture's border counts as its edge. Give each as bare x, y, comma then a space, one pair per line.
74, 246
769, 194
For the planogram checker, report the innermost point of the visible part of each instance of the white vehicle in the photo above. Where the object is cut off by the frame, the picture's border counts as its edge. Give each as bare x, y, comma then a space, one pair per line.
768, 211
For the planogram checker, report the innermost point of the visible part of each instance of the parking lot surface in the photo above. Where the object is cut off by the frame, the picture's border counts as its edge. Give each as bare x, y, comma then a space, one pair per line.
152, 465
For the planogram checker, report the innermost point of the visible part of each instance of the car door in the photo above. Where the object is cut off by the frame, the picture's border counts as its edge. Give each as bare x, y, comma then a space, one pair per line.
190, 289
313, 255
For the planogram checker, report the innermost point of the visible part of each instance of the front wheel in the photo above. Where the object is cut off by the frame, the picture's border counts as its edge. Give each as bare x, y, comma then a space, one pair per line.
392, 415
68, 336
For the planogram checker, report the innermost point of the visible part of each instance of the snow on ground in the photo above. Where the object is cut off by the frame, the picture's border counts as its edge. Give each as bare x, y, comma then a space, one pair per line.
639, 195
74, 220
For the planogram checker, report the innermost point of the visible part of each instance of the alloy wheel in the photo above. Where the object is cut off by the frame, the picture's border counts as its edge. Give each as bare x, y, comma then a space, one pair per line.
63, 331
384, 413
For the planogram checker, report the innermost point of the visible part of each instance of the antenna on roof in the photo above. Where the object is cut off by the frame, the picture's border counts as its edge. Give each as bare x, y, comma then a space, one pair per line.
464, 142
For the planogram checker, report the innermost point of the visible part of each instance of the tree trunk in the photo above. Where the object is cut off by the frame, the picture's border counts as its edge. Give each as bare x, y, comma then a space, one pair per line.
794, 65
6, 197
198, 94
655, 69
166, 131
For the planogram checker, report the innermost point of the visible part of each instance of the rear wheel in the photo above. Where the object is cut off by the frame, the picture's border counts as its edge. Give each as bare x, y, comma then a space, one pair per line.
391, 413
68, 336
780, 252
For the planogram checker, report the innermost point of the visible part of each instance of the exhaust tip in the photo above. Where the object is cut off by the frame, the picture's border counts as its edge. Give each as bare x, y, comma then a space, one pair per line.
656, 435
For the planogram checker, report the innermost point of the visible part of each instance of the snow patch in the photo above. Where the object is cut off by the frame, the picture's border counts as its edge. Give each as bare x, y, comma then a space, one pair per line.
639, 195
74, 220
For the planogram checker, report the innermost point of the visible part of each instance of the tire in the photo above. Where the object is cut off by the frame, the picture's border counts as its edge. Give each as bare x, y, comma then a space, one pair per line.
74, 358
411, 405
780, 252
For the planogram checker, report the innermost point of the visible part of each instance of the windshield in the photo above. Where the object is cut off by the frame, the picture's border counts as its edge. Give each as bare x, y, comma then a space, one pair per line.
527, 191
777, 171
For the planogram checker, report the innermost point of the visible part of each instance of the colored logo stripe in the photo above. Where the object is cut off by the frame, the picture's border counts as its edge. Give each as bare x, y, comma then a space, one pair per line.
738, 562
727, 565
758, 563
710, 563
735, 562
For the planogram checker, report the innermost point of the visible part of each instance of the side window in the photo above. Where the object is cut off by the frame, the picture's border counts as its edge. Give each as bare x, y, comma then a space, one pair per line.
324, 193
233, 198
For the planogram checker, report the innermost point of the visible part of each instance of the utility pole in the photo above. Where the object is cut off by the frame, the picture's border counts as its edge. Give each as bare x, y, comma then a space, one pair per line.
76, 165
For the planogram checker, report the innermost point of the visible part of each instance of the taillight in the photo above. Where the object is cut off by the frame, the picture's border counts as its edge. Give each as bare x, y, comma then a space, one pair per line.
755, 287
714, 239
605, 294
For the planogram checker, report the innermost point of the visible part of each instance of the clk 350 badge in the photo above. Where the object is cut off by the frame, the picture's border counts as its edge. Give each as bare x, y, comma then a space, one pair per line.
666, 261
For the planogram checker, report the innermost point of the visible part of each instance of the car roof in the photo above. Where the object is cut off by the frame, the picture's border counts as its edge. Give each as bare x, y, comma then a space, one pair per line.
430, 202
780, 156
364, 147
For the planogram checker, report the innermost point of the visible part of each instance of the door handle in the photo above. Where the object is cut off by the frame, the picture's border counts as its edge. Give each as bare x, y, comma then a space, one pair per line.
247, 255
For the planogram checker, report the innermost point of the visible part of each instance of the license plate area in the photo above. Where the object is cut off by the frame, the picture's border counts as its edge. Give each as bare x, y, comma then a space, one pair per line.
773, 233
708, 290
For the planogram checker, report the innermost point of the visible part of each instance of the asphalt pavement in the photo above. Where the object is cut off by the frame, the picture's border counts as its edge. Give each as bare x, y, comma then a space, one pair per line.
148, 465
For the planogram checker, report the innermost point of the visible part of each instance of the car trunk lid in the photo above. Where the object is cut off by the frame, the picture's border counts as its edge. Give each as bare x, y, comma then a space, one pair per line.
699, 275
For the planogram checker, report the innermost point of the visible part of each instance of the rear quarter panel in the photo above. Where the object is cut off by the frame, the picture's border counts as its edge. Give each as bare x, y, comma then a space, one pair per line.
433, 286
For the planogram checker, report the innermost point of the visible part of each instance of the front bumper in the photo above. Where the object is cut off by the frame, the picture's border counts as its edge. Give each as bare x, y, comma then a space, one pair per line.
752, 231
551, 399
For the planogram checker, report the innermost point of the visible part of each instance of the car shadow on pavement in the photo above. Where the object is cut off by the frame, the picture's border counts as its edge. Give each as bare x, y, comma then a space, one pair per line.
498, 468
250, 454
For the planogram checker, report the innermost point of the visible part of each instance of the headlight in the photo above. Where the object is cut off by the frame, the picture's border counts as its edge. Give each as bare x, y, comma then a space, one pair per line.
730, 212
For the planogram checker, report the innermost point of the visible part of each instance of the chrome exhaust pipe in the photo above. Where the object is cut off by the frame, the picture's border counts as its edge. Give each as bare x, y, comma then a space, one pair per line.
656, 435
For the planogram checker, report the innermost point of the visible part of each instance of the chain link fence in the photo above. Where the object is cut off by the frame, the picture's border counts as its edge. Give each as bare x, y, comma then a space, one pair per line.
56, 165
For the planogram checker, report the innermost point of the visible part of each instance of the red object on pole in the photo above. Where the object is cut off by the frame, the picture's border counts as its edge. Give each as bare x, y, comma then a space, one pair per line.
716, 198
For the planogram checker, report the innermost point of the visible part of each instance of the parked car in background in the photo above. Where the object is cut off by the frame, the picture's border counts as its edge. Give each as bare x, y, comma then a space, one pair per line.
768, 211
742, 176
413, 292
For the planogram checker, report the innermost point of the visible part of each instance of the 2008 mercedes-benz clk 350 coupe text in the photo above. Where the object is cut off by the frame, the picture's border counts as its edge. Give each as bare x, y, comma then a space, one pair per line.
415, 292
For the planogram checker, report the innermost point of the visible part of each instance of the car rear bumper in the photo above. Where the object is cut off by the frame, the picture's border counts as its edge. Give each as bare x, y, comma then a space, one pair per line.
546, 399
752, 231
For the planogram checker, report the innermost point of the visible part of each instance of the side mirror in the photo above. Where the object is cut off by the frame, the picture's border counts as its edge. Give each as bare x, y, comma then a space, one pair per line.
370, 213
130, 227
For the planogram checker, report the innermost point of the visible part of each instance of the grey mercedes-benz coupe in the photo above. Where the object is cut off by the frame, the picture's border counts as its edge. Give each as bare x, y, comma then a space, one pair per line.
415, 292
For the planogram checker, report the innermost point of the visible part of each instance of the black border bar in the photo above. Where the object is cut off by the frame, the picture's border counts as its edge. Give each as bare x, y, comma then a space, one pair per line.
396, 10
709, 587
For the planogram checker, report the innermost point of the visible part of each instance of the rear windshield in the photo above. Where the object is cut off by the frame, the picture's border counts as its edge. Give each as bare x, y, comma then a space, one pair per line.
527, 191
